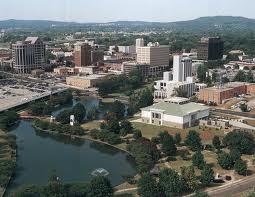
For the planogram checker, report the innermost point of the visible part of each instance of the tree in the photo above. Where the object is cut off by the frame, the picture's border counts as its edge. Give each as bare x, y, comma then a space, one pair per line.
243, 107
79, 112
137, 134
170, 182
126, 127
145, 153
92, 113
240, 140
148, 186
100, 187
189, 178
216, 142
240, 167
112, 123
214, 76
198, 160
8, 119
135, 78
207, 175
168, 145
177, 138
240, 76
202, 73
64, 116
235, 154
249, 77
225, 161
193, 141
118, 108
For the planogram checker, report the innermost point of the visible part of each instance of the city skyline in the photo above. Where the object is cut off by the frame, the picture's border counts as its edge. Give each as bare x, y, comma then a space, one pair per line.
113, 10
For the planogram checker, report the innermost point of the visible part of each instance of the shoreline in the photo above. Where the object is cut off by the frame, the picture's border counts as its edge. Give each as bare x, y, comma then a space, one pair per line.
13, 172
84, 138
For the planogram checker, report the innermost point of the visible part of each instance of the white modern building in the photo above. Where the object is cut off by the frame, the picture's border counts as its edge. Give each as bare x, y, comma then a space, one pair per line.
139, 43
127, 49
182, 67
182, 80
176, 112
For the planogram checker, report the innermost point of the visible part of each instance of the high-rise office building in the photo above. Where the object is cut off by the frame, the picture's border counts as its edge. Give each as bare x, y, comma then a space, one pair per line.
139, 43
97, 55
210, 48
29, 55
182, 68
153, 54
82, 54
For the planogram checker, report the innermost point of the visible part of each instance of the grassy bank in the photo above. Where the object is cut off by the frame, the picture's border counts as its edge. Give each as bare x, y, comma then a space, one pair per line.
7, 159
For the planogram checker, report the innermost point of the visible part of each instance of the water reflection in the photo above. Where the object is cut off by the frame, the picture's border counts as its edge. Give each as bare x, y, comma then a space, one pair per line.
60, 138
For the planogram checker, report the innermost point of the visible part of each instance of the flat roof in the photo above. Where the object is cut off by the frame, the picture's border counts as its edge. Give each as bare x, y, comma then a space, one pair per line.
176, 109
95, 76
227, 86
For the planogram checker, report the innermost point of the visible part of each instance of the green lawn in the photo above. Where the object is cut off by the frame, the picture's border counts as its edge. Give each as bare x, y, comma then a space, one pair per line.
150, 131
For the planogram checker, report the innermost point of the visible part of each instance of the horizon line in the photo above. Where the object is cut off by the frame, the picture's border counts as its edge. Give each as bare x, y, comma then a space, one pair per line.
123, 20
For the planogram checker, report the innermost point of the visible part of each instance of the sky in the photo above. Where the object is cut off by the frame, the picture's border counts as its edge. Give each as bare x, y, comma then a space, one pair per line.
115, 10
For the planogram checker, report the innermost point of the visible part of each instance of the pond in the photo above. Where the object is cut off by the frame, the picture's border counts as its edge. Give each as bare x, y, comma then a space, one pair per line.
89, 102
74, 160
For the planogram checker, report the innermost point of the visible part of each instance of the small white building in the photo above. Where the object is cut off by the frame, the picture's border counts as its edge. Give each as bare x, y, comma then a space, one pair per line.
176, 113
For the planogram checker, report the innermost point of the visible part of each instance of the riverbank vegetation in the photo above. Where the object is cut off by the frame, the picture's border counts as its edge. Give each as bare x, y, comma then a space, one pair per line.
8, 119
43, 108
7, 159
97, 187
78, 111
59, 128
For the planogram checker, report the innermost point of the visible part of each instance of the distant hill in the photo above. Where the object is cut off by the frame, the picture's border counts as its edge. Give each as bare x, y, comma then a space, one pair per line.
203, 23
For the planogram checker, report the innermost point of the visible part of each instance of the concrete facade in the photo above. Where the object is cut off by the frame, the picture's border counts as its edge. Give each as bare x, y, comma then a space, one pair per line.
174, 115
29, 55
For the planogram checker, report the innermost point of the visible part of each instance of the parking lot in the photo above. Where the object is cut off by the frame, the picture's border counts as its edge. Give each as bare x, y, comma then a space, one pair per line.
15, 92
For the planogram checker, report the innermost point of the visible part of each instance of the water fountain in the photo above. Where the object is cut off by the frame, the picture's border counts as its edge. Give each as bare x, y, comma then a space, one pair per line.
100, 172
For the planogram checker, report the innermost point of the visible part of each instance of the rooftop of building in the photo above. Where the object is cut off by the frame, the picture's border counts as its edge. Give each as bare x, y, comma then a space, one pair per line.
32, 40
177, 100
175, 82
89, 77
176, 109
227, 86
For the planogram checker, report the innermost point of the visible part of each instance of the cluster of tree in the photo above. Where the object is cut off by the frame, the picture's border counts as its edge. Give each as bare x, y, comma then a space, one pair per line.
120, 83
232, 160
114, 125
8, 119
139, 99
6, 169
238, 143
78, 111
46, 108
170, 183
168, 142
145, 153
7, 164
97, 187
193, 141
241, 140
59, 128
244, 107
92, 113
106, 136
244, 76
